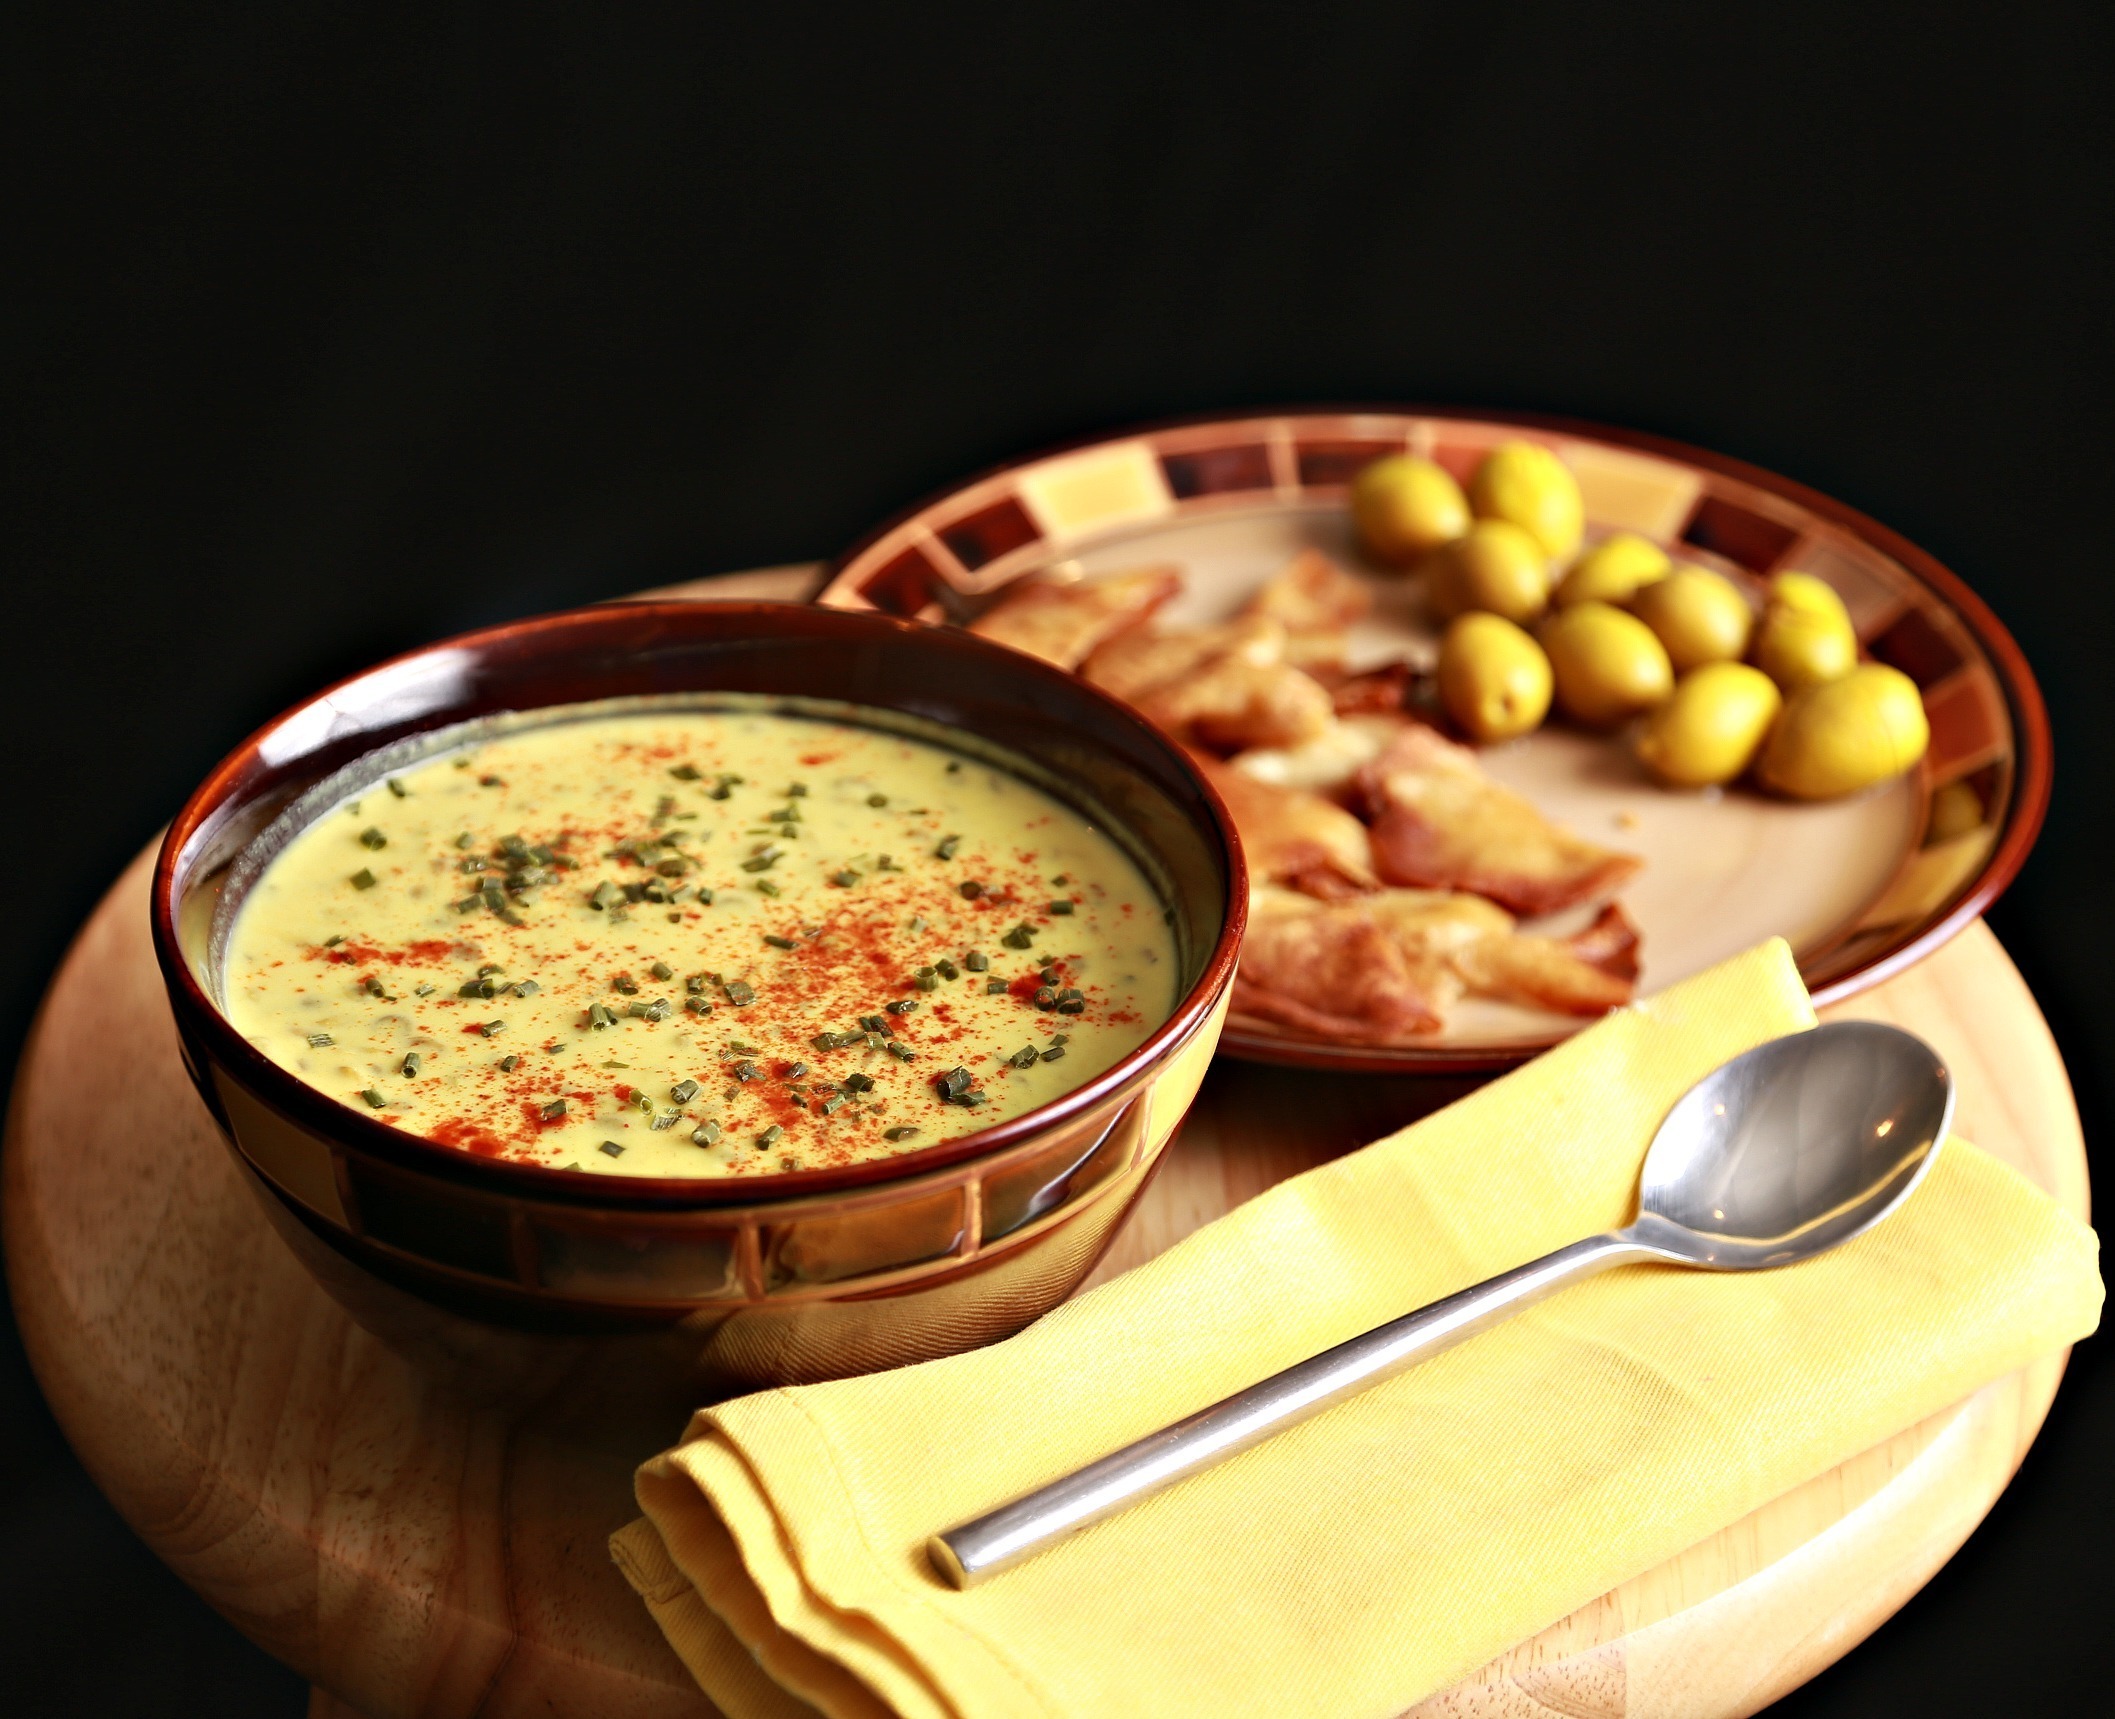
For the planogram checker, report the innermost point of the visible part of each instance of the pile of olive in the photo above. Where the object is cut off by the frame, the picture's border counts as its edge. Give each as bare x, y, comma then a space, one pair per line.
1624, 632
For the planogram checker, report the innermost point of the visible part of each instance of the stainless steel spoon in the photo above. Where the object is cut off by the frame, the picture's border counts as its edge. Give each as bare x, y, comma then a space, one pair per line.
1778, 1155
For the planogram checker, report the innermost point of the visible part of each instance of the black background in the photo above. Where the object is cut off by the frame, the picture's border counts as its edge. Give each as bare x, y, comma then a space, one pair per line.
333, 329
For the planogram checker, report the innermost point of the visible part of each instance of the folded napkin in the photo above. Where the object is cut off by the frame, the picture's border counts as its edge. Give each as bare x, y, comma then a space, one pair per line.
1394, 1543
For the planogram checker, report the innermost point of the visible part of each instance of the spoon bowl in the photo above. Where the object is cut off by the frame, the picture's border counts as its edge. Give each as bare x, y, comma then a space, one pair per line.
1793, 1147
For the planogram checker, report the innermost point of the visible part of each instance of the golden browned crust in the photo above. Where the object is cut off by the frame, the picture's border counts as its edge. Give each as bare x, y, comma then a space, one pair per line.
1387, 967
1440, 823
1291, 837
1064, 624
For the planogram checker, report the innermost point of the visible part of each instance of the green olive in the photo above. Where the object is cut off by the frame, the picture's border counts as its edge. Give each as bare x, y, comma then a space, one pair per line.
1700, 617
1838, 736
1711, 729
1608, 665
1613, 570
1492, 566
1405, 507
1804, 647
1805, 592
1527, 484
1493, 679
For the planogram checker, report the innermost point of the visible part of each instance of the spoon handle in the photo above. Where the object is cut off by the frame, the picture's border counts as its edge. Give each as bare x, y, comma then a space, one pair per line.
967, 1554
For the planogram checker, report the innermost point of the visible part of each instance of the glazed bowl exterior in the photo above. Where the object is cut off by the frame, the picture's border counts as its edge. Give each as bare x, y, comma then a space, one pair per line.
737, 1281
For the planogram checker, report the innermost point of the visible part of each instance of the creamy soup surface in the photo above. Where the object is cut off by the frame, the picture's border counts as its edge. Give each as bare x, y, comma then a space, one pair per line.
699, 943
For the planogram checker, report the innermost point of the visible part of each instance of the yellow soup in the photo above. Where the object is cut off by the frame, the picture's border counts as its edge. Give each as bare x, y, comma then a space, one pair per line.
699, 942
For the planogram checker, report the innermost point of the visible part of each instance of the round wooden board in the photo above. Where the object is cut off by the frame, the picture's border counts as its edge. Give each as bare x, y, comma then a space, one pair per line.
412, 1553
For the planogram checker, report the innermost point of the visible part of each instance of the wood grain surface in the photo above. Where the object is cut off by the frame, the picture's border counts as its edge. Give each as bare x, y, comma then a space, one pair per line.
415, 1554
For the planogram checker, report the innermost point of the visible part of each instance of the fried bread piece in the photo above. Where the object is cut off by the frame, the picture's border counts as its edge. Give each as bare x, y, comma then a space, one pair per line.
1297, 839
1440, 823
1386, 968
1142, 661
1065, 624
1328, 764
1227, 686
1311, 594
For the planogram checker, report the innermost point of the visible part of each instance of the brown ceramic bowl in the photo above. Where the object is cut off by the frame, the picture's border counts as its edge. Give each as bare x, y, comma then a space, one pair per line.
805, 1275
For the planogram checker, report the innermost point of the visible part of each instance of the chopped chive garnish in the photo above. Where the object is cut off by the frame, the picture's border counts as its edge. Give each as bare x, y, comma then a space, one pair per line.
667, 1119
1053, 1053
1061, 907
625, 983
397, 788
612, 1148
373, 987
374, 1098
1019, 937
1061, 1038
765, 886
873, 1023
422, 990
971, 889
877, 799
994, 987
492, 1029
320, 1041
685, 772
833, 1104
977, 961
927, 981
526, 988
796, 1071
683, 1091
410, 1064
1024, 1057
947, 969
1061, 880
466, 840
778, 942
917, 924
901, 1051
797, 791
697, 1005
902, 1006
363, 879
706, 1134
606, 896
745, 1070
373, 838
554, 1110
333, 942
509, 1062
599, 1016
844, 879
856, 1082
662, 970
1045, 998
946, 849
741, 1049
955, 1080
770, 1137
898, 1133
740, 993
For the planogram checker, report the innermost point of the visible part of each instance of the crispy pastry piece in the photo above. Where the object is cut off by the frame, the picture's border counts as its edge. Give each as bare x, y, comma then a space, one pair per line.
1387, 968
1300, 840
1311, 594
1328, 764
1227, 686
1378, 692
1231, 704
1065, 624
1142, 661
1440, 823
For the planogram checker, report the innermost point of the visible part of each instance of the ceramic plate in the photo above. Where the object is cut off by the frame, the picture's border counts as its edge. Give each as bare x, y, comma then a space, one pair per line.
1859, 887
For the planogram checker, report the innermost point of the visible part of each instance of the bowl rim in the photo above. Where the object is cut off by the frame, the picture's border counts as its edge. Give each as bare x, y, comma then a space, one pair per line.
317, 1111
2034, 770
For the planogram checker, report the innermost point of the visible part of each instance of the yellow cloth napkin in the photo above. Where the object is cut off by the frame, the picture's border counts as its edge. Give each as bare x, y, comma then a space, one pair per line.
1396, 1542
